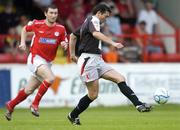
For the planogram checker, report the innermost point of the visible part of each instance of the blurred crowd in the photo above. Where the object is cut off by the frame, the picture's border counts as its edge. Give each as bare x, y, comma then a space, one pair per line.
135, 27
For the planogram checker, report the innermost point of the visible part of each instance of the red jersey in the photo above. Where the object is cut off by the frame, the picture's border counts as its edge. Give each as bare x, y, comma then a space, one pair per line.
46, 39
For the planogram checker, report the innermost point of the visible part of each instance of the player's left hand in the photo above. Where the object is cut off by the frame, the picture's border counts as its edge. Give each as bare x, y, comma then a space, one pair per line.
64, 45
118, 45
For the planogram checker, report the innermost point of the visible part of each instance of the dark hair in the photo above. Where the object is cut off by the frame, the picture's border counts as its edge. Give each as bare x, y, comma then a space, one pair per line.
102, 7
50, 6
142, 22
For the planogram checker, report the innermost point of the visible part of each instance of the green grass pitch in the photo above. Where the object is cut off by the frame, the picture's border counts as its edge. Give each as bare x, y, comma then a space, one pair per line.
163, 117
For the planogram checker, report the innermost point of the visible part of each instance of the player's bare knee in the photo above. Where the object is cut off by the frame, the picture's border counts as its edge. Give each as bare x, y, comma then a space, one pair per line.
93, 96
120, 79
50, 79
28, 91
116, 77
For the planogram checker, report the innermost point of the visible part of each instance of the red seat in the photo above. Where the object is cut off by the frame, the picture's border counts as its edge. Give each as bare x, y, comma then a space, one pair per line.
21, 58
159, 43
173, 58
126, 28
157, 57
6, 58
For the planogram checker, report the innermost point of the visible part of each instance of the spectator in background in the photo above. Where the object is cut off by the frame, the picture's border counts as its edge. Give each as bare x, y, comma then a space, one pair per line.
127, 11
111, 56
11, 42
154, 2
11, 46
8, 18
113, 22
155, 46
131, 52
150, 44
150, 17
134, 46
76, 18
140, 33
112, 26
23, 20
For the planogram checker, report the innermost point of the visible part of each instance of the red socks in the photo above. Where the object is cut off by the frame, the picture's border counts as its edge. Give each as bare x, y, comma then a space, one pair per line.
22, 95
19, 98
42, 90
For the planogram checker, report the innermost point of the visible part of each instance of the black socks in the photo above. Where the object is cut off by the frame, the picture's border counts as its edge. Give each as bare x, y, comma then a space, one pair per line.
85, 101
127, 91
82, 105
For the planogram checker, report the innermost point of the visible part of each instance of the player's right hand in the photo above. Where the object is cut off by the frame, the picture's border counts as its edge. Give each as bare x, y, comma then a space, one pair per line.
22, 46
73, 58
64, 45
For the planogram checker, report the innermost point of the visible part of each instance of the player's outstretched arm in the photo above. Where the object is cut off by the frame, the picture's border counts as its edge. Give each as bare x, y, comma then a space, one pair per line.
72, 44
22, 45
106, 39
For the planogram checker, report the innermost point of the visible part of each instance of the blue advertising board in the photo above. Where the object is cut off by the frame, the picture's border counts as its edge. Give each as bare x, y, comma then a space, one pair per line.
5, 85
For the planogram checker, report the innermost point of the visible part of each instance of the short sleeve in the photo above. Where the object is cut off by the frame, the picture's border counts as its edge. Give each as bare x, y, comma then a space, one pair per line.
142, 16
30, 26
94, 25
64, 35
155, 17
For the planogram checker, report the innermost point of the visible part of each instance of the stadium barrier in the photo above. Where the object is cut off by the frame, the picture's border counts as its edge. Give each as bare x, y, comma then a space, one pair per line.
170, 41
5, 86
67, 89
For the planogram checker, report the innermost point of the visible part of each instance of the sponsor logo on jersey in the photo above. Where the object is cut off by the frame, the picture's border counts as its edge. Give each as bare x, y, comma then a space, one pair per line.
56, 33
47, 41
41, 31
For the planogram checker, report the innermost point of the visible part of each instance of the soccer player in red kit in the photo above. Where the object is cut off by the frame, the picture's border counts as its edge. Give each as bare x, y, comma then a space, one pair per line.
48, 35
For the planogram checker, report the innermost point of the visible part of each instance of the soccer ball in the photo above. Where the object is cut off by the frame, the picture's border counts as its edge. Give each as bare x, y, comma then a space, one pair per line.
161, 96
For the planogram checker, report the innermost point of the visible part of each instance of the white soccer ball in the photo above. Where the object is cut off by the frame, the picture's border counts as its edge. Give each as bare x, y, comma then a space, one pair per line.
161, 96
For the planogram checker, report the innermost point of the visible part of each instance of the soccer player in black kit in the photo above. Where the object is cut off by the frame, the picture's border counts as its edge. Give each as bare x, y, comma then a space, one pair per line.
92, 66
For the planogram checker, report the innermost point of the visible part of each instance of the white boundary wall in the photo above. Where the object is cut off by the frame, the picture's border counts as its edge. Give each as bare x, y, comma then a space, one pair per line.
142, 78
